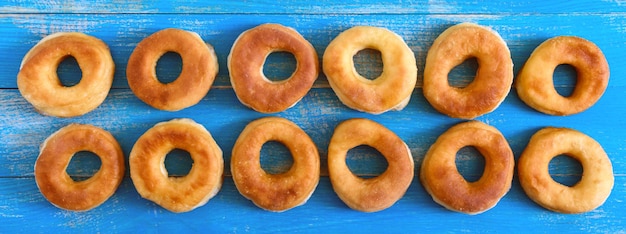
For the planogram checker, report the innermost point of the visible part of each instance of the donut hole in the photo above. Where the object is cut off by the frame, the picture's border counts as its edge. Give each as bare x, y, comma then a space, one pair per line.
368, 63
168, 67
564, 79
463, 74
83, 165
178, 163
279, 65
275, 158
470, 163
69, 71
366, 162
565, 170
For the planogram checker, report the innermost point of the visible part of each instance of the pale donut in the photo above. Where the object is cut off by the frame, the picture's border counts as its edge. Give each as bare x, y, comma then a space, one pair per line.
372, 194
57, 151
245, 66
39, 83
196, 77
177, 194
275, 192
442, 180
589, 193
391, 90
534, 82
493, 79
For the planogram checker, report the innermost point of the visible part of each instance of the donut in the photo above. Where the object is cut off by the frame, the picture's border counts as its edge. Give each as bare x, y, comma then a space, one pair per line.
369, 194
391, 90
442, 180
588, 194
39, 83
245, 66
493, 79
177, 194
534, 82
199, 68
55, 155
275, 192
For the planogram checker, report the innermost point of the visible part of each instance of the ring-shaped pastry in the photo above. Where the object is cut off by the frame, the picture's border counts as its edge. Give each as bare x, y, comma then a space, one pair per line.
534, 82
493, 79
196, 77
57, 151
275, 192
369, 194
39, 83
177, 194
391, 90
442, 180
589, 193
245, 65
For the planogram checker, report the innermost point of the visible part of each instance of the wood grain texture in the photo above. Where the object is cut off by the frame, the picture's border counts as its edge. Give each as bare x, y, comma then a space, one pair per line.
314, 7
122, 24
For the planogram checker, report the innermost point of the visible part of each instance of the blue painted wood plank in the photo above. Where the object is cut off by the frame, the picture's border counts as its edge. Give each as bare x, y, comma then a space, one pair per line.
314, 7
126, 117
122, 24
122, 32
126, 211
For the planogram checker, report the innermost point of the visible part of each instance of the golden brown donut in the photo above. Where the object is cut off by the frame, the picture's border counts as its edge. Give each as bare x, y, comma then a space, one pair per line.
57, 151
196, 77
177, 194
39, 83
275, 192
589, 193
245, 65
534, 82
372, 194
493, 79
391, 90
446, 185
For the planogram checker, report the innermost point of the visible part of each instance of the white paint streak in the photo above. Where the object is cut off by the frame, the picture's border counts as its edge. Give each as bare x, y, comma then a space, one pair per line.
43, 25
618, 2
441, 6
16, 9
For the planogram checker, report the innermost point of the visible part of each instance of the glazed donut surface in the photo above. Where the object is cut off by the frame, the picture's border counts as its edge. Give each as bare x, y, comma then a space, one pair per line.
493, 78
199, 68
391, 90
535, 84
588, 194
275, 192
57, 151
372, 194
442, 180
177, 194
245, 65
39, 83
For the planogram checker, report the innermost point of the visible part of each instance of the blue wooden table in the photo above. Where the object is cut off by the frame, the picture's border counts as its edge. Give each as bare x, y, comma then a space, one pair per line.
122, 24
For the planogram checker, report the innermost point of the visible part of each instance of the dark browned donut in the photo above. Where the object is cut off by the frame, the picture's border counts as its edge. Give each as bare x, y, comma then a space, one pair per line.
245, 65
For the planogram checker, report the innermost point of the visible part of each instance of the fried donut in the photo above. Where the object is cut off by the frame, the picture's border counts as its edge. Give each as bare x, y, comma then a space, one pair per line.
589, 193
196, 77
373, 194
245, 66
275, 192
177, 194
493, 79
534, 82
391, 90
57, 151
446, 185
39, 83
